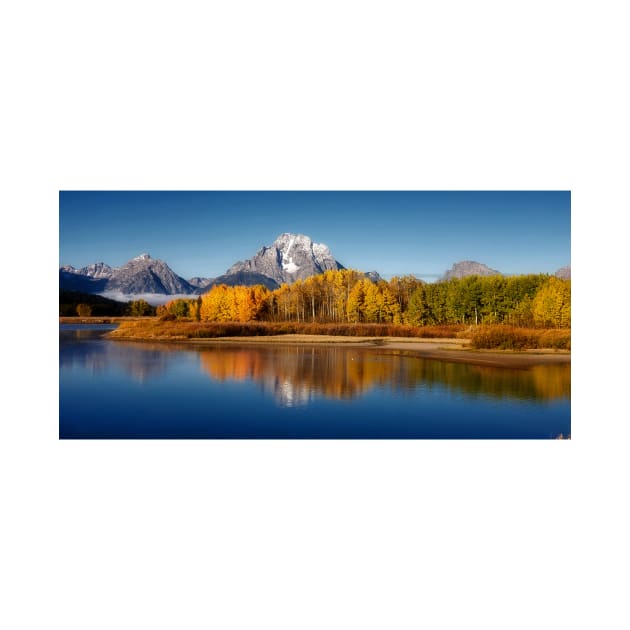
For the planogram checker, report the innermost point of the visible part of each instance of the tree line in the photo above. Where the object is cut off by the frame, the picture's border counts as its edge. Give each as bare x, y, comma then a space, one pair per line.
348, 296
73, 303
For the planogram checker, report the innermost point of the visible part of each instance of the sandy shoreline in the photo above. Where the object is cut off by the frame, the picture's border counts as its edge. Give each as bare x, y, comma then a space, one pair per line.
452, 350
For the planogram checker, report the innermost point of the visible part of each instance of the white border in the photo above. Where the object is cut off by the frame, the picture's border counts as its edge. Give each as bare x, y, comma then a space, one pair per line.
288, 96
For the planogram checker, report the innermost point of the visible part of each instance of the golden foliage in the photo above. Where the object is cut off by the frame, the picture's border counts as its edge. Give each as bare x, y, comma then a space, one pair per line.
552, 304
345, 373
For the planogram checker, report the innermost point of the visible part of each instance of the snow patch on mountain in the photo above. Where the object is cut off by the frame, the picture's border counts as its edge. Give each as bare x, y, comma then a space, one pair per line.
287, 261
290, 266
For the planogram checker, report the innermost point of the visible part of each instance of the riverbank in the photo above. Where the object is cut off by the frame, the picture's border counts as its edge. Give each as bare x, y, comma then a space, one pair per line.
453, 350
445, 343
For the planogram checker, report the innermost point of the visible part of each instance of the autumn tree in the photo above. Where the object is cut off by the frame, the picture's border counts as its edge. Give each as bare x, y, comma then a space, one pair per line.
215, 305
417, 313
390, 308
233, 304
194, 309
250, 302
141, 308
356, 300
344, 281
282, 302
403, 288
84, 310
312, 291
552, 304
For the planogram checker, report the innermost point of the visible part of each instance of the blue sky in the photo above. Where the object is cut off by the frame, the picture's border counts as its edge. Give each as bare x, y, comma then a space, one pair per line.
395, 233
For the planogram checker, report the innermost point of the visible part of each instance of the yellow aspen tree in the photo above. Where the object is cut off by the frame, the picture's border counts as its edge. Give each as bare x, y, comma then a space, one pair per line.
214, 304
356, 301
373, 305
391, 306
552, 304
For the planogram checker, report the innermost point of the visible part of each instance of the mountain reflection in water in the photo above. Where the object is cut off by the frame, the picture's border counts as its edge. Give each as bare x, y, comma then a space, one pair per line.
142, 361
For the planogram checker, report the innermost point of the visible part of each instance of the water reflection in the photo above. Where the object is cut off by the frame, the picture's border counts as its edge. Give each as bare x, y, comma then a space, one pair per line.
295, 375
99, 355
113, 389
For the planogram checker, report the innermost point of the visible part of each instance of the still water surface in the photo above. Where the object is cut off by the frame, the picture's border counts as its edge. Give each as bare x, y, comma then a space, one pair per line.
116, 389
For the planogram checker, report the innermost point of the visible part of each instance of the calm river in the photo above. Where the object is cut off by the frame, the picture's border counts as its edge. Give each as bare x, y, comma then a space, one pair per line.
115, 389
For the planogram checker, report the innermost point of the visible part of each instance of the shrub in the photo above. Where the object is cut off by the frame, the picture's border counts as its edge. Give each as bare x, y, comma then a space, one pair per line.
502, 337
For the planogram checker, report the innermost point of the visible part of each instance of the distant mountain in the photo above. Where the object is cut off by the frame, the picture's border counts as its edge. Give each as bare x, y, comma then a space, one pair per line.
200, 283
469, 268
374, 276
244, 278
564, 273
144, 274
96, 270
74, 281
291, 257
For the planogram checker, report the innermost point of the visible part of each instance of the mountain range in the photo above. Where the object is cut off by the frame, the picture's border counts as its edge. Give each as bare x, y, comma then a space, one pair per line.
289, 258
142, 274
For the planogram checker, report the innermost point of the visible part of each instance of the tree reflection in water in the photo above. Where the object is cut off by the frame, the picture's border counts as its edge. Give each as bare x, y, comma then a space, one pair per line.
297, 374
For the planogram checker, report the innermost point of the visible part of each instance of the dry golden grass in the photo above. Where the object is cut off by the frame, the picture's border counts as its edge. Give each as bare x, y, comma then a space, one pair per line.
495, 337
180, 329
504, 337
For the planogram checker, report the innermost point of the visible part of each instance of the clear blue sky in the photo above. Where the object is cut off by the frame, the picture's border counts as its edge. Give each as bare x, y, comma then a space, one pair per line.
394, 233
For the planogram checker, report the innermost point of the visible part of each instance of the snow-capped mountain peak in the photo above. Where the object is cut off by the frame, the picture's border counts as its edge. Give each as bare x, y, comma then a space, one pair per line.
291, 257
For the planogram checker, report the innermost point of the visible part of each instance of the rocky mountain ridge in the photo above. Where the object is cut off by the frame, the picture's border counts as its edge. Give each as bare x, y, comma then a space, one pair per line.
140, 275
469, 268
144, 274
289, 258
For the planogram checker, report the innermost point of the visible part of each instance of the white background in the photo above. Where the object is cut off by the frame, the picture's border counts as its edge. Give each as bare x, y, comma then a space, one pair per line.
322, 95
